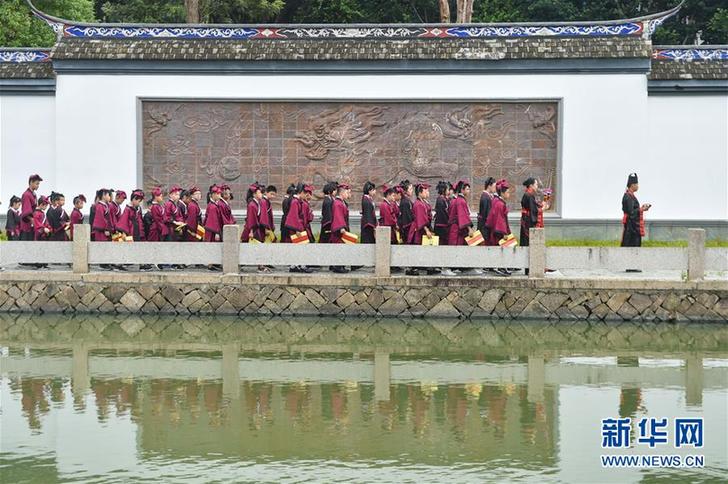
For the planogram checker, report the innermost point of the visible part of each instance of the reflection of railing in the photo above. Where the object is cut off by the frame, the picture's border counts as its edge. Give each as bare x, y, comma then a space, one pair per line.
231, 254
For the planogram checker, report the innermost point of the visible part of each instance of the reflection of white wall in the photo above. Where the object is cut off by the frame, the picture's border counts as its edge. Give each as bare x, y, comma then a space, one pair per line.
580, 414
27, 144
604, 125
688, 152
81, 445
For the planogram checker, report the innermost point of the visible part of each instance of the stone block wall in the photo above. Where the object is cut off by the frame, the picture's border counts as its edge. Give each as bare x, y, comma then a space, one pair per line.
370, 296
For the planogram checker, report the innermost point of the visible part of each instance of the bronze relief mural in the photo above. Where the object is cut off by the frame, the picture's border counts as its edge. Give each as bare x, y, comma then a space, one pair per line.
196, 142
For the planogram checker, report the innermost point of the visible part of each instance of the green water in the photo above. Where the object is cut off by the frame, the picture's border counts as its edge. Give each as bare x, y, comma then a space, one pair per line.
164, 399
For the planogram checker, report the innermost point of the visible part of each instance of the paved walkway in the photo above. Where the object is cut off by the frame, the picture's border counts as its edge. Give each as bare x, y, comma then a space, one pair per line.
565, 273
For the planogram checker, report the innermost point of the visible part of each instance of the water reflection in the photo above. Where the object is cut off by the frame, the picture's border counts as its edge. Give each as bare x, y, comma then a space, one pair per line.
319, 399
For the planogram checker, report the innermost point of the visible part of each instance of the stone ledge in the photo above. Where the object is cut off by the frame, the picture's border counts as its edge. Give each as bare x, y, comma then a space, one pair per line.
359, 280
368, 296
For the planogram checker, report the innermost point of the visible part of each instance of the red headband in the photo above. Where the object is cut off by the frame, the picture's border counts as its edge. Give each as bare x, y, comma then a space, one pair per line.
175, 188
156, 192
121, 194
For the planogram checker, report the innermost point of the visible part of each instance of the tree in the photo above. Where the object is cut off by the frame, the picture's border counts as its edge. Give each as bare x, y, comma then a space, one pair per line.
192, 8
21, 29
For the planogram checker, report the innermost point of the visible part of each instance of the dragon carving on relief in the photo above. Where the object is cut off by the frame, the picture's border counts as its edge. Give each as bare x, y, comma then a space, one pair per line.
345, 129
462, 124
543, 122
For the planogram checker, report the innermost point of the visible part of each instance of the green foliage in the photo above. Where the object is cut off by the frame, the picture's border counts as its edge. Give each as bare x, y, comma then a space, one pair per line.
708, 18
718, 26
239, 11
141, 11
20, 29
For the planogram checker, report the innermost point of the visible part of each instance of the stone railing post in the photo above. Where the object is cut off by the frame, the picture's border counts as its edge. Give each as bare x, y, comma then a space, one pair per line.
383, 252
81, 238
230, 249
696, 254
536, 253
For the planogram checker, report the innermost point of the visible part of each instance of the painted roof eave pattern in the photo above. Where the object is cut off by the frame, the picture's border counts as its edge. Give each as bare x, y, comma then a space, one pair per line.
642, 26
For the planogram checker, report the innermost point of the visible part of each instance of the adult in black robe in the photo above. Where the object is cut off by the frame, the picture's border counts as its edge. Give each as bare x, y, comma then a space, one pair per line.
632, 218
405, 209
486, 201
529, 211
327, 212
368, 214
285, 207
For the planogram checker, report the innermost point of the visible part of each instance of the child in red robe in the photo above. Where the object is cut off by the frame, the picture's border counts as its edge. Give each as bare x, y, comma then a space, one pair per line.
130, 220
340, 219
421, 216
213, 221
226, 212
256, 220
102, 227
387, 213
497, 221
41, 228
421, 222
76, 213
459, 223
299, 217
194, 215
171, 213
28, 203
158, 231
115, 206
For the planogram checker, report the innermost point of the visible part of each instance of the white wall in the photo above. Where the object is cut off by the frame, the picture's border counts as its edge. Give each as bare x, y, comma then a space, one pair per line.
27, 144
688, 150
609, 125
604, 120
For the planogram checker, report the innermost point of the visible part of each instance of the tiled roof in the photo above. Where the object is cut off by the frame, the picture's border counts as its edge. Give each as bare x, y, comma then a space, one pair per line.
352, 49
26, 70
698, 70
689, 63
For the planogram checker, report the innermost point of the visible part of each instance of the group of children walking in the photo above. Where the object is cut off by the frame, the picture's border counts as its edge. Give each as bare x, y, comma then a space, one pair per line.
405, 208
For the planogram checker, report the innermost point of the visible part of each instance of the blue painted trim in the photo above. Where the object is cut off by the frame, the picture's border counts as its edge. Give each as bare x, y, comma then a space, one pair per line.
24, 55
691, 53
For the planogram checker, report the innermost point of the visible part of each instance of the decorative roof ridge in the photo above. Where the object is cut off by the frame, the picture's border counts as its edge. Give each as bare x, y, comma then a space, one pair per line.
690, 52
641, 26
24, 54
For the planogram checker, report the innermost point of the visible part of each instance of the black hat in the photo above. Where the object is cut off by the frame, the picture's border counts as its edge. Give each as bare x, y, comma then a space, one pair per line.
632, 179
